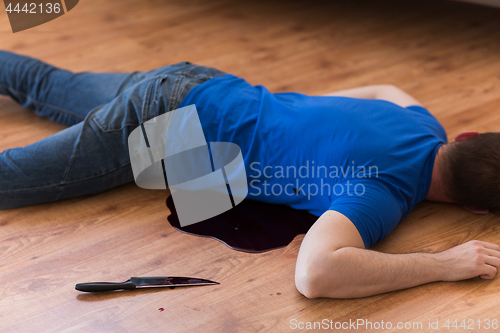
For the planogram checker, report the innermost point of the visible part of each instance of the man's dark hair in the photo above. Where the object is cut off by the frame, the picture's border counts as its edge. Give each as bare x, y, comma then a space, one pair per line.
471, 171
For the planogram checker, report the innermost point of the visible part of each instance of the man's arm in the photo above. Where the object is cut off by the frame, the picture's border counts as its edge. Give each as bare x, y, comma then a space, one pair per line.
333, 262
383, 91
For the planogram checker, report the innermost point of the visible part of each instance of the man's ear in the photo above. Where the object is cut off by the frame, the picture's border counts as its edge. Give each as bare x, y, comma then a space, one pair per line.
476, 211
466, 135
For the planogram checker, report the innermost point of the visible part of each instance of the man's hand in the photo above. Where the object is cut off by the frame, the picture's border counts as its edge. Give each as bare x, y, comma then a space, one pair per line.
474, 258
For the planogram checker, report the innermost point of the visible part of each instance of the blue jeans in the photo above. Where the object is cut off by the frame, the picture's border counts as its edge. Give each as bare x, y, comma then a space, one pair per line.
91, 156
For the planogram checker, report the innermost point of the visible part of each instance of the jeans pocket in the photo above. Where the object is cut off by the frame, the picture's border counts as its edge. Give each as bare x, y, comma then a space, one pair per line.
131, 108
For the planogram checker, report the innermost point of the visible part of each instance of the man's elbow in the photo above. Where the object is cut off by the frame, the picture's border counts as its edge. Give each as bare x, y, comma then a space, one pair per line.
310, 280
323, 277
307, 284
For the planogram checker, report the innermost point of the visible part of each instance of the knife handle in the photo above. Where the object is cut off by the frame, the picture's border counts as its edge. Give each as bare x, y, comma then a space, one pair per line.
104, 286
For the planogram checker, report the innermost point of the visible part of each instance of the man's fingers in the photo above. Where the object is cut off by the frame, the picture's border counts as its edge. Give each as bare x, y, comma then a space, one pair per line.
489, 272
493, 261
491, 246
493, 253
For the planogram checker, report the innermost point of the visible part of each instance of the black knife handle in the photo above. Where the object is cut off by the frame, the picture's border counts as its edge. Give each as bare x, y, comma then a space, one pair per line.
104, 286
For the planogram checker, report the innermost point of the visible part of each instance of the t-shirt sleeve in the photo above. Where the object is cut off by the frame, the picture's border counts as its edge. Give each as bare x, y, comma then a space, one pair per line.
373, 206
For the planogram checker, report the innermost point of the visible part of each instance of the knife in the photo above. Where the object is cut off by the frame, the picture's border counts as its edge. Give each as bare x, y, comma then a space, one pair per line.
143, 282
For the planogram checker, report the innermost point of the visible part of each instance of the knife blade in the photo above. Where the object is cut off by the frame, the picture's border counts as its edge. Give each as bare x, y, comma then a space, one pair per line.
143, 282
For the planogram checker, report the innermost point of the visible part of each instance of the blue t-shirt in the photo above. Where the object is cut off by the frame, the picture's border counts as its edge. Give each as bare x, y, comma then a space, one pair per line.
370, 160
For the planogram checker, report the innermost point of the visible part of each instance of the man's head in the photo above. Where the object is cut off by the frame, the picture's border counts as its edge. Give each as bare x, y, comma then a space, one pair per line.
470, 170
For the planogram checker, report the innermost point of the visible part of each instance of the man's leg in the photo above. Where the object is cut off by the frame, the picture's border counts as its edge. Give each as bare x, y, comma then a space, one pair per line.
92, 156
57, 94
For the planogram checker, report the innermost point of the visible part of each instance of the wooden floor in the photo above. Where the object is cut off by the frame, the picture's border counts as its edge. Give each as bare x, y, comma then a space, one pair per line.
447, 54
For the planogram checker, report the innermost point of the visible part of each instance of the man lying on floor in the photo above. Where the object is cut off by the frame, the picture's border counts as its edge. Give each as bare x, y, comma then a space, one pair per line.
398, 150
